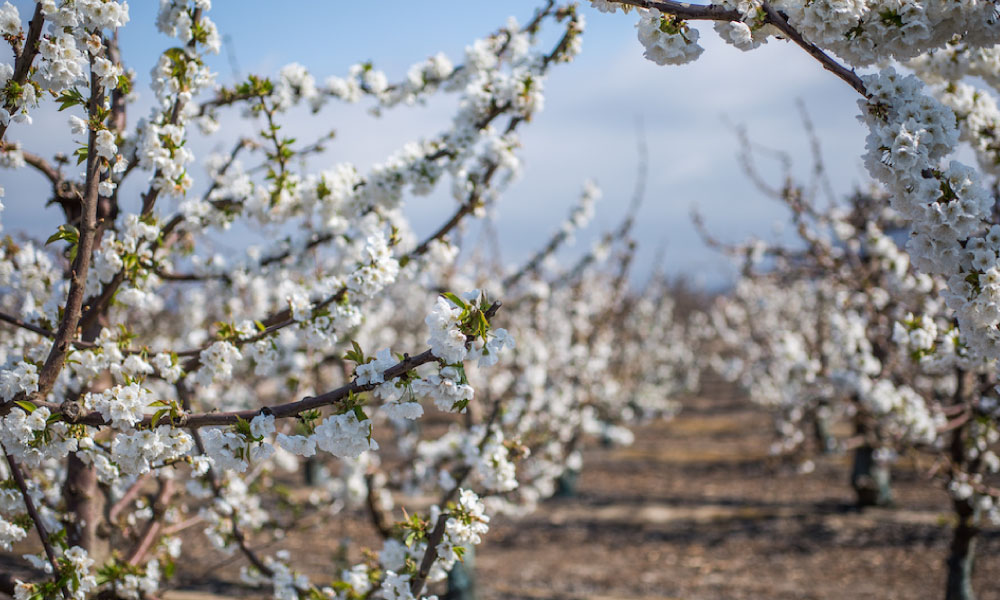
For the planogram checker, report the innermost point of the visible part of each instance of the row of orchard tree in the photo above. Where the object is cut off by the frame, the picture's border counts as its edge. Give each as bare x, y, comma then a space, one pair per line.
151, 385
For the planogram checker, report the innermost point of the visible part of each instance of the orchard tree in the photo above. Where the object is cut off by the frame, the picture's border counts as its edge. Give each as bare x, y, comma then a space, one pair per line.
917, 122
846, 329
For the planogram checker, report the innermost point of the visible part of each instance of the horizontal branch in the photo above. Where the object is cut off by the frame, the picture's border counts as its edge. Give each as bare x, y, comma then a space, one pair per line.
693, 12
281, 411
717, 12
25, 325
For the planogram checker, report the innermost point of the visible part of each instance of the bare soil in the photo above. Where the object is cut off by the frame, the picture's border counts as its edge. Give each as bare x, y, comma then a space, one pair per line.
696, 509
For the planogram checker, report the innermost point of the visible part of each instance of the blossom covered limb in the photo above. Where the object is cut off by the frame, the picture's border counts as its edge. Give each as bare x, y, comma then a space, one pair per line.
99, 304
280, 411
684, 10
22, 64
848, 75
719, 12
85, 248
430, 555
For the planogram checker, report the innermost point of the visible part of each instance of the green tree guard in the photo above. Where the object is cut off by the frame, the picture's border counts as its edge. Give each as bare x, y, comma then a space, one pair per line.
962, 553
462, 578
870, 479
566, 485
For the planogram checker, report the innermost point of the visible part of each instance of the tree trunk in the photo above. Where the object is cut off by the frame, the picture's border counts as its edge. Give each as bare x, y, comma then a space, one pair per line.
961, 556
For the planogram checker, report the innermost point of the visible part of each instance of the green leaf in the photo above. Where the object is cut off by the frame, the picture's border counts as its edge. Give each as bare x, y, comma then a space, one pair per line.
484, 325
456, 300
69, 98
242, 427
80, 154
168, 568
27, 406
159, 415
66, 232
356, 355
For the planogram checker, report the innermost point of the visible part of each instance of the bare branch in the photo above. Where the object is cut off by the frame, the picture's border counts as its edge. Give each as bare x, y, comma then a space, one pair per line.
25, 325
41, 165
155, 524
430, 555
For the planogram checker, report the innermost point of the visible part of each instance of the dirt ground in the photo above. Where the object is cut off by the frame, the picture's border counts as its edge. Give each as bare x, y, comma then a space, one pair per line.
695, 509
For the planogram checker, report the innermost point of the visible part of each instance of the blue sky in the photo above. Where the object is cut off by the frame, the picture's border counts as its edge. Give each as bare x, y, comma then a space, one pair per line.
587, 129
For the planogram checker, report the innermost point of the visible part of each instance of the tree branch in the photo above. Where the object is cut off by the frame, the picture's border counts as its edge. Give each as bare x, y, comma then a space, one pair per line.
41, 165
43, 535
148, 202
22, 65
716, 12
155, 525
25, 325
693, 12
430, 555
848, 75
234, 517
85, 246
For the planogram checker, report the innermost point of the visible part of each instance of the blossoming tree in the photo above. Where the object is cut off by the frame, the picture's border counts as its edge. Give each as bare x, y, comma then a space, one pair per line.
846, 329
916, 124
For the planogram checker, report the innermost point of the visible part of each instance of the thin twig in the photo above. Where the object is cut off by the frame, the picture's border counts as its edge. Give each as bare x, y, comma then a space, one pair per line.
43, 535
